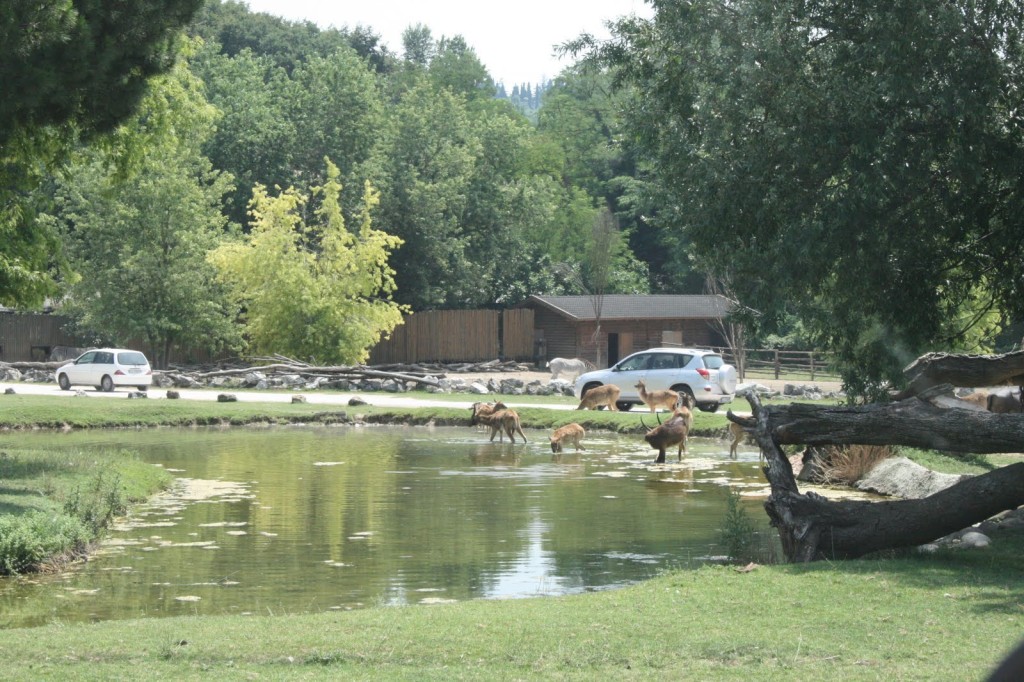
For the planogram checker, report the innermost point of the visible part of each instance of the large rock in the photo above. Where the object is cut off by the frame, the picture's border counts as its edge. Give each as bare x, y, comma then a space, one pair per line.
9, 374
900, 477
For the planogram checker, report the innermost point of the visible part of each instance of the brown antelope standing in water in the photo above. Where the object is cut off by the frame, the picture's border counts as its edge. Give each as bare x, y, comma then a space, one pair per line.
564, 435
672, 432
500, 418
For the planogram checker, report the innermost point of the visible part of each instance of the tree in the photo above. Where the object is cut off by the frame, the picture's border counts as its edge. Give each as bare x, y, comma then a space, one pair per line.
418, 45
858, 163
457, 67
62, 63
313, 291
138, 243
427, 167
255, 140
64, 78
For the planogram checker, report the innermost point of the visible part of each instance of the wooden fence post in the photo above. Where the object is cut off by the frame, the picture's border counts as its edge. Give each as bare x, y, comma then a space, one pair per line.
777, 365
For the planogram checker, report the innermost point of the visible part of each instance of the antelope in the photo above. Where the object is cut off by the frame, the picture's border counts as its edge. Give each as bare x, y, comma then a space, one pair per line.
654, 399
672, 432
606, 395
738, 433
570, 433
500, 418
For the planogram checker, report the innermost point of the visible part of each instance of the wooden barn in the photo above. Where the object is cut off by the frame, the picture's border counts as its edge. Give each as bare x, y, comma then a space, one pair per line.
563, 326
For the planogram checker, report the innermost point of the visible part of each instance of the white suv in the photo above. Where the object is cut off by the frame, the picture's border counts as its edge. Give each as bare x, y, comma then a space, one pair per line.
702, 374
105, 368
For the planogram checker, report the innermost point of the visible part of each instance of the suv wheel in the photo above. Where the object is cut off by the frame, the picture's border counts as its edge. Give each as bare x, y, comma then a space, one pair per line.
624, 405
708, 407
106, 384
65, 383
685, 394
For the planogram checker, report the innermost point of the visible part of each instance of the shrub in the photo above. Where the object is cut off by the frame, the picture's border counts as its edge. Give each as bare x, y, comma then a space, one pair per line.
98, 502
28, 540
738, 532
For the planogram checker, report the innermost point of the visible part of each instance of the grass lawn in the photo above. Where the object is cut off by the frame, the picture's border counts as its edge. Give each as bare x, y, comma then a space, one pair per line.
947, 617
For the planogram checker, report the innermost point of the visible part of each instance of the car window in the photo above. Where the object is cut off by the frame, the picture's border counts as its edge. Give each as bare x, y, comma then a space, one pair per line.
104, 359
132, 358
634, 363
86, 359
681, 361
713, 361
668, 361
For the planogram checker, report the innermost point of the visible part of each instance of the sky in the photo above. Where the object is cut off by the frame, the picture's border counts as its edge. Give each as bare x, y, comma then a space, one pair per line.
514, 40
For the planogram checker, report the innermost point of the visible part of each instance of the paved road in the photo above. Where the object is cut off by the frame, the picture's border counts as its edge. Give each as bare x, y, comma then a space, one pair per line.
312, 397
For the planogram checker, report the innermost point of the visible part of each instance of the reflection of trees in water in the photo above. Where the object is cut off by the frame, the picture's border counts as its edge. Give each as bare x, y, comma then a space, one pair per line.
441, 515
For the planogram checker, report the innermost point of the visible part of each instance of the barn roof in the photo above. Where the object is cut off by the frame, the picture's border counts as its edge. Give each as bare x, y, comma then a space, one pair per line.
629, 307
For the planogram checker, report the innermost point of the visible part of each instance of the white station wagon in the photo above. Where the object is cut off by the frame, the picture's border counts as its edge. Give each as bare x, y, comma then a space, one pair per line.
702, 374
106, 368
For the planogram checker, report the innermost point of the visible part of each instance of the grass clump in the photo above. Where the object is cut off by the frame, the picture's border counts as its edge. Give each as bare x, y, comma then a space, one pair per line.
29, 541
847, 464
738, 531
54, 504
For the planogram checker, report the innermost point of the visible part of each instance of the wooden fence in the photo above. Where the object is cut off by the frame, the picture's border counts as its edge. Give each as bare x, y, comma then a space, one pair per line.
433, 336
27, 337
781, 364
458, 336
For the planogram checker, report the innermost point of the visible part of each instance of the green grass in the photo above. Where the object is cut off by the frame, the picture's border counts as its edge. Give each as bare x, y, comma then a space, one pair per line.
949, 617
30, 411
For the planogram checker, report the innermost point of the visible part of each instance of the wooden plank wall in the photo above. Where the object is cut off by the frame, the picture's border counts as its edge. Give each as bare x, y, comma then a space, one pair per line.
517, 335
30, 337
441, 336
433, 336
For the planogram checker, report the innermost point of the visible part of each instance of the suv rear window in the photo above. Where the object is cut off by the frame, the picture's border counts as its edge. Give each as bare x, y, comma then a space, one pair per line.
713, 361
131, 358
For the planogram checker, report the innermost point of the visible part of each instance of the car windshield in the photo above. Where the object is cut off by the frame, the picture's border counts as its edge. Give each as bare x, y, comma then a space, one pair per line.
634, 363
713, 361
132, 358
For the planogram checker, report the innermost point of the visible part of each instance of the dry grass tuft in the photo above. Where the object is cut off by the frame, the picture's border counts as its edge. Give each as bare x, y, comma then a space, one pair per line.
848, 464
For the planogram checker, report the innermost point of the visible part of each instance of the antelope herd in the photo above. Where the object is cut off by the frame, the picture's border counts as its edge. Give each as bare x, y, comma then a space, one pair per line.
673, 432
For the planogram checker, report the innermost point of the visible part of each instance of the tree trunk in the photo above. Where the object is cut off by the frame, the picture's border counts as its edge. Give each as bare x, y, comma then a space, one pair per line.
812, 527
911, 422
969, 371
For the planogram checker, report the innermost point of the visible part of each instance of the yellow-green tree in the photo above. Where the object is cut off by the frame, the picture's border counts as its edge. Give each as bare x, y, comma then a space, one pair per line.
318, 292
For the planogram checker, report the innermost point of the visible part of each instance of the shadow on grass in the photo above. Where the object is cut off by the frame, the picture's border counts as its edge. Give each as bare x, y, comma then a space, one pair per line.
991, 578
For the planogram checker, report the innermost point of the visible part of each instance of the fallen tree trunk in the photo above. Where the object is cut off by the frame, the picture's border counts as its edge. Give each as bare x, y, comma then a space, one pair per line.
969, 371
811, 527
913, 422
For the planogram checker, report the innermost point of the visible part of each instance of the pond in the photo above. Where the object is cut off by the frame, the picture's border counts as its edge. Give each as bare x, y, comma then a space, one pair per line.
281, 520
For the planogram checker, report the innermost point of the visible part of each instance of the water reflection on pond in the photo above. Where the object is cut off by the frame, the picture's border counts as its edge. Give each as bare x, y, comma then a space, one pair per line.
300, 519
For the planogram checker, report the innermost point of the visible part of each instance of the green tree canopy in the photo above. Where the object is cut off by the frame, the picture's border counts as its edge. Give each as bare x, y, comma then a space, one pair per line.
860, 163
69, 69
138, 242
317, 292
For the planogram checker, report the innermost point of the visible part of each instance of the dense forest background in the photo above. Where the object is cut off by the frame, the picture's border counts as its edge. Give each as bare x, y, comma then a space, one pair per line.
849, 177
